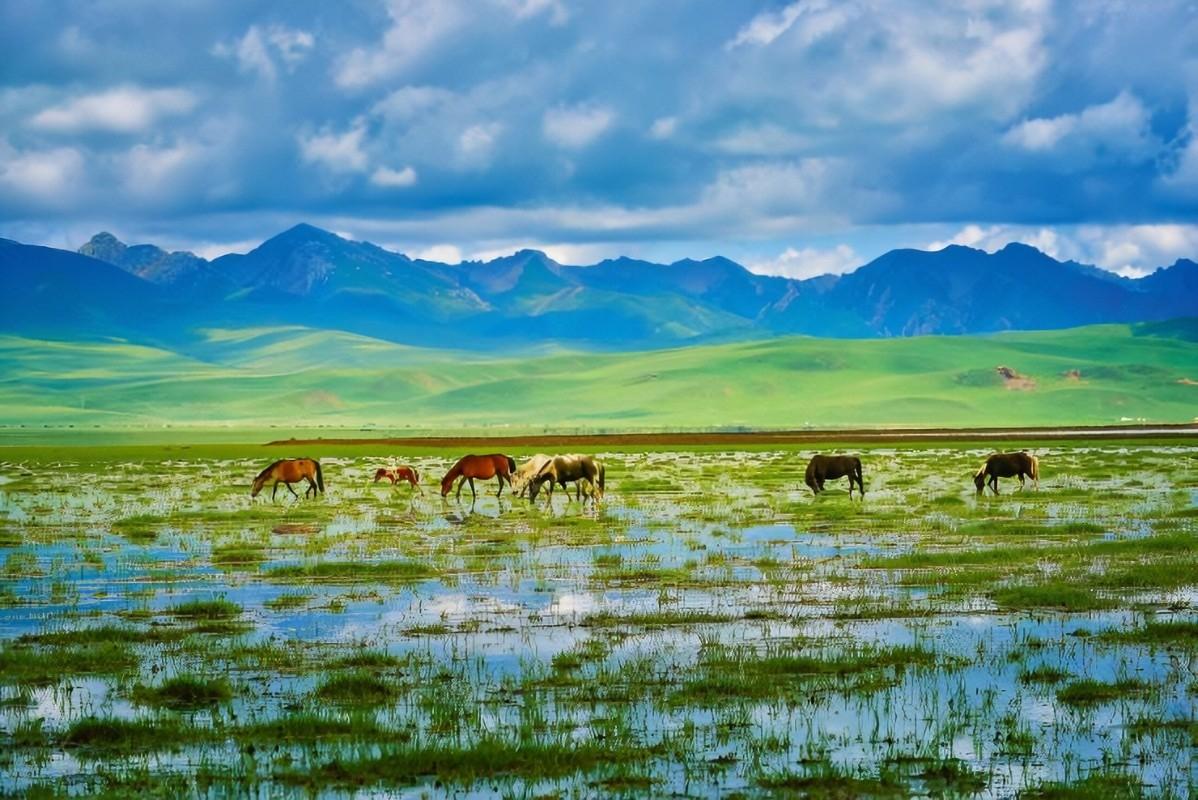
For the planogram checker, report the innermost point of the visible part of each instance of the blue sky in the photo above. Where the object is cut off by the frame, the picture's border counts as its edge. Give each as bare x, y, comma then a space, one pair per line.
797, 138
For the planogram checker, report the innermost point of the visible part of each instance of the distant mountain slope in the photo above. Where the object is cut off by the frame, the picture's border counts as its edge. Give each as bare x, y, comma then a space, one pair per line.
295, 376
311, 277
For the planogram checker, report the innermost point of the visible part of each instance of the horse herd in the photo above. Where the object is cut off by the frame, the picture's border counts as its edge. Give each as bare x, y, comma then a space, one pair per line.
544, 471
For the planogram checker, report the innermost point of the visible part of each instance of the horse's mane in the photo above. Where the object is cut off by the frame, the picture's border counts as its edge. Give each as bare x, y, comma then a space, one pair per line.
264, 472
982, 468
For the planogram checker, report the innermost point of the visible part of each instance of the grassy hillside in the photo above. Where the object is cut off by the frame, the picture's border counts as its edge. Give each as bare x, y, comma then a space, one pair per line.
294, 376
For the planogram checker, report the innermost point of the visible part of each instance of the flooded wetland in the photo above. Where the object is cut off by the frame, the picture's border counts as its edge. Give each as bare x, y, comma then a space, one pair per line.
708, 628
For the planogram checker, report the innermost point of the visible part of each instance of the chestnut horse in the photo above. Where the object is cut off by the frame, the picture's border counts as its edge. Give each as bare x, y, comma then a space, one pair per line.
1007, 465
396, 474
287, 471
822, 468
495, 465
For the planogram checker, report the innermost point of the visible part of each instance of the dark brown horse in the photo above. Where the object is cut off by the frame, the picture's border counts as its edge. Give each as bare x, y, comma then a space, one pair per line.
396, 474
495, 465
287, 471
574, 469
824, 468
1007, 465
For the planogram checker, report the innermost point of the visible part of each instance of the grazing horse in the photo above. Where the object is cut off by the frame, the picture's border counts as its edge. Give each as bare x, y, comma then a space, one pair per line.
1007, 465
822, 468
396, 474
495, 465
287, 471
574, 469
523, 476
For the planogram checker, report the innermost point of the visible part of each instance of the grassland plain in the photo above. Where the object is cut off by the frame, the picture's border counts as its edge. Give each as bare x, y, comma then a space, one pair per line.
277, 376
710, 628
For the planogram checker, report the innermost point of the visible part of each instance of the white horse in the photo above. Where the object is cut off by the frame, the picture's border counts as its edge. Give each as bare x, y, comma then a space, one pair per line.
527, 471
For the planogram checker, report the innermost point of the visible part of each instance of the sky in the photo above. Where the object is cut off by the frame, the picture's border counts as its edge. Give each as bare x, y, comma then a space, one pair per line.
797, 138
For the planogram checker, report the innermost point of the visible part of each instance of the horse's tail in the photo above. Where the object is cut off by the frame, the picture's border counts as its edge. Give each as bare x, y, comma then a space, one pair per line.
860, 477
602, 472
1035, 469
319, 477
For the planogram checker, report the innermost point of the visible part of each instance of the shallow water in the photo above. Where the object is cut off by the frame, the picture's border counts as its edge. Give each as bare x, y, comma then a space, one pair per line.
734, 541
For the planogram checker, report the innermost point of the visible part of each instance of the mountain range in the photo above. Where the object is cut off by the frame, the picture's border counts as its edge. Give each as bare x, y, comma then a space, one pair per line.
311, 277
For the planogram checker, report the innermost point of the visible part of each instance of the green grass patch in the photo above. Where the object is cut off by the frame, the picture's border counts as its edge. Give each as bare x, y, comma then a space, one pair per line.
394, 571
357, 688
206, 610
1089, 692
184, 692
1051, 595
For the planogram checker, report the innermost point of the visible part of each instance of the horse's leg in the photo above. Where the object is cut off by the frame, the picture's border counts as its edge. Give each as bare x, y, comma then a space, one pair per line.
499, 477
461, 483
473, 494
272, 491
288, 485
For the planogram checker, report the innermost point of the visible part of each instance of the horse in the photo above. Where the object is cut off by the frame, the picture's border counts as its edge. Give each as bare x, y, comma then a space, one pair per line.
569, 469
396, 474
495, 465
288, 470
1007, 465
822, 468
524, 475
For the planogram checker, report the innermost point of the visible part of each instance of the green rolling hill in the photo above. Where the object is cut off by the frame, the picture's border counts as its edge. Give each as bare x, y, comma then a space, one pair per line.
302, 377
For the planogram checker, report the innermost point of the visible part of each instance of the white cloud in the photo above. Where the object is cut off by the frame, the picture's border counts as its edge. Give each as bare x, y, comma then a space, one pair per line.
1119, 127
417, 26
558, 15
124, 109
51, 177
575, 127
445, 253
151, 171
761, 140
476, 144
767, 26
410, 102
391, 178
663, 127
808, 262
337, 152
1130, 250
253, 50
293, 45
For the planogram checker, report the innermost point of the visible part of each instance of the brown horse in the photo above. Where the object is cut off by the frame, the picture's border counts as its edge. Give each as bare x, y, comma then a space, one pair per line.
495, 465
574, 469
822, 468
287, 471
1007, 465
396, 474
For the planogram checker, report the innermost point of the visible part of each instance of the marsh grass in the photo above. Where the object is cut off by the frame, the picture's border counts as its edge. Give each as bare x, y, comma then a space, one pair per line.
393, 571
362, 688
184, 692
46, 665
99, 736
218, 609
1088, 692
486, 759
